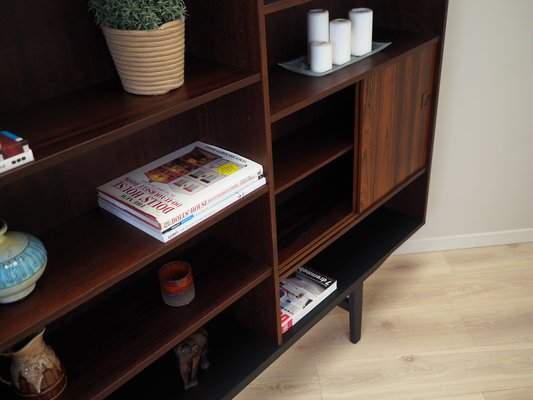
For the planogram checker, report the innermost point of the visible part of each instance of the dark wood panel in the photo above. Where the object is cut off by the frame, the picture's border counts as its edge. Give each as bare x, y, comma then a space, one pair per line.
374, 237
235, 354
258, 310
290, 92
319, 204
311, 236
291, 40
415, 16
235, 122
68, 189
272, 6
412, 201
396, 109
405, 199
65, 127
308, 140
134, 328
48, 48
225, 32
299, 155
245, 231
85, 257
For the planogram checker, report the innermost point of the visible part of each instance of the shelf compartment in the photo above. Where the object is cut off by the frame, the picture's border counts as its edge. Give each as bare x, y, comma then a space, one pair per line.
235, 354
238, 356
62, 128
132, 329
272, 6
317, 208
290, 92
305, 152
312, 138
85, 257
354, 257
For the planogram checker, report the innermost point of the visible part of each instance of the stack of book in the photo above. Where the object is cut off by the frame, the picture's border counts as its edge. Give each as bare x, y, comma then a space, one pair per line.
14, 151
300, 293
176, 192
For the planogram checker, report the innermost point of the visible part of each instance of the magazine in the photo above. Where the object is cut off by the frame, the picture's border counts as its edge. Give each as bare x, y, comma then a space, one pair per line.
187, 223
170, 189
300, 293
14, 151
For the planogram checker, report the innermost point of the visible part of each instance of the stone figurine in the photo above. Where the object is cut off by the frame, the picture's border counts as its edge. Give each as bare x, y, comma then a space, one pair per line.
191, 353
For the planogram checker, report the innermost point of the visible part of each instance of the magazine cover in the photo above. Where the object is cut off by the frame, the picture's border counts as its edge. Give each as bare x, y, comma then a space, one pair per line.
187, 223
14, 151
165, 191
301, 292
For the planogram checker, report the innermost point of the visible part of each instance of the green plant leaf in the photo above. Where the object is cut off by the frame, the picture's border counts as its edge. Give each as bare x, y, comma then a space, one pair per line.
136, 14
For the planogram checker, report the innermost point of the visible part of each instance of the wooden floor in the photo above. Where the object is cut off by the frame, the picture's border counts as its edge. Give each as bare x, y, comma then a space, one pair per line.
455, 325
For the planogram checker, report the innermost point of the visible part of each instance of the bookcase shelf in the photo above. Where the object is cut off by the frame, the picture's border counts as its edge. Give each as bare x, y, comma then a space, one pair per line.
321, 203
309, 140
316, 233
237, 355
121, 323
67, 126
346, 156
377, 237
290, 92
86, 267
306, 151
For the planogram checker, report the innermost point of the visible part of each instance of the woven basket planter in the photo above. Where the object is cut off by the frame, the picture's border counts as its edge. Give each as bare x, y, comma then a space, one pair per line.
149, 62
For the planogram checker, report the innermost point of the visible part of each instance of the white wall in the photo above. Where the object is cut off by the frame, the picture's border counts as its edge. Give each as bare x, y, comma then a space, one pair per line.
481, 190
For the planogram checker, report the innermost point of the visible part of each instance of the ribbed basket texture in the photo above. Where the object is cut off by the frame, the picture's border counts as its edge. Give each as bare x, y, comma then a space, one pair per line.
149, 62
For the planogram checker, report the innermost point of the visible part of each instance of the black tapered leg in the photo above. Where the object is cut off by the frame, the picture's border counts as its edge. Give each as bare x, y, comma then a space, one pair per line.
354, 305
356, 313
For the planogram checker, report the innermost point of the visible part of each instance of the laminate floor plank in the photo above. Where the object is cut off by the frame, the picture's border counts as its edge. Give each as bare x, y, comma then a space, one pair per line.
500, 324
468, 396
289, 387
513, 394
450, 293
413, 266
426, 375
403, 333
491, 260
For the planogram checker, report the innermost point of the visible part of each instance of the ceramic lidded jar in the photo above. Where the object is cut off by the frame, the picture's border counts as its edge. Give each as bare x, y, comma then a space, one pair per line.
22, 262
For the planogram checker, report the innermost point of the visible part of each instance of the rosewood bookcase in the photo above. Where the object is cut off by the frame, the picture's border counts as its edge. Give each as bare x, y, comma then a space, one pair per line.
347, 159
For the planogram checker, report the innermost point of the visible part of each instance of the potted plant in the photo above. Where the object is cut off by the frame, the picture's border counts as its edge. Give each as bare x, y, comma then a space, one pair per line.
146, 39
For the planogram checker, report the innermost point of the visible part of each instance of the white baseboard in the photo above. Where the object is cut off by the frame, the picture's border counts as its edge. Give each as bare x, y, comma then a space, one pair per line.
465, 241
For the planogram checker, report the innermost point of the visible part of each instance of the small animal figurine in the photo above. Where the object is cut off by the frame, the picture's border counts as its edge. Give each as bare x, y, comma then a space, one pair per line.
190, 354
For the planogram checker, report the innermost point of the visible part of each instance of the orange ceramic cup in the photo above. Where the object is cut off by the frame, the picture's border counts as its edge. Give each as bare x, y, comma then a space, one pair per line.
177, 286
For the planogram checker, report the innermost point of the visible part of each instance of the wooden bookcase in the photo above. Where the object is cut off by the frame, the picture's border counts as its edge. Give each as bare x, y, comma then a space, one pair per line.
347, 159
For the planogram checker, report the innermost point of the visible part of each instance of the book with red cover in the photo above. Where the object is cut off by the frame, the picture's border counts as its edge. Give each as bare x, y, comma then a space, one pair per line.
168, 190
14, 151
187, 223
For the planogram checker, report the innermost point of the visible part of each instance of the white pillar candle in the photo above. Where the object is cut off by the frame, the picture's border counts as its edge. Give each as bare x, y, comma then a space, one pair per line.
361, 30
320, 56
339, 36
317, 25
